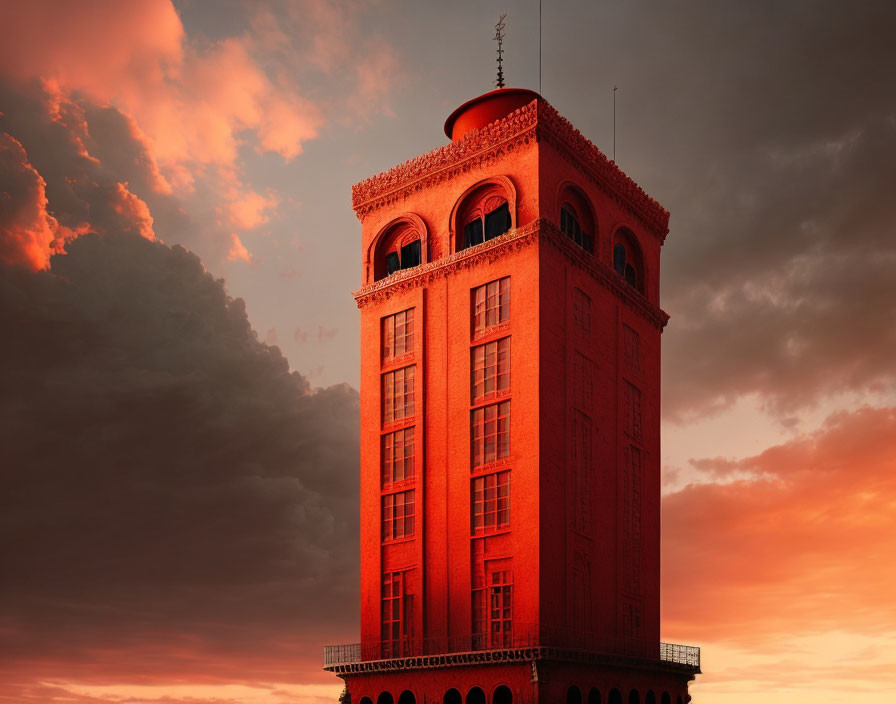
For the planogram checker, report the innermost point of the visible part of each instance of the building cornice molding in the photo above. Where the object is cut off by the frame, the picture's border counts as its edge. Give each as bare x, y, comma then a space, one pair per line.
425, 274
531, 123
498, 248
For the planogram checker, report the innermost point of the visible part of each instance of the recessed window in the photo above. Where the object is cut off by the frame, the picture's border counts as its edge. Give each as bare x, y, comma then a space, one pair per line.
491, 304
490, 433
491, 502
398, 515
627, 260
572, 228
491, 368
398, 334
398, 456
398, 394
483, 215
399, 248
581, 310
397, 614
493, 611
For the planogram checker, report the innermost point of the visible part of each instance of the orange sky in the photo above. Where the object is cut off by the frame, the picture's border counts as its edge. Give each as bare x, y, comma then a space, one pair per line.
236, 131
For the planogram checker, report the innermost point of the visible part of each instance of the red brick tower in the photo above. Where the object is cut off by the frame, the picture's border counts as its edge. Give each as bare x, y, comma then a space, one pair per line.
510, 423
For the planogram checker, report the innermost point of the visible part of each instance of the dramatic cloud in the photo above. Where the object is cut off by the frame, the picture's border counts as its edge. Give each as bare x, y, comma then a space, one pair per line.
176, 501
779, 161
784, 542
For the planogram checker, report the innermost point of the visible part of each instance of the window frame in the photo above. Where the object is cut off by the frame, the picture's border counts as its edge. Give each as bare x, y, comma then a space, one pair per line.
498, 351
393, 512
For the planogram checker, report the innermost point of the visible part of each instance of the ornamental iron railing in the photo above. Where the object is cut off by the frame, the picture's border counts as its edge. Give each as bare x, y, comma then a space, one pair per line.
522, 636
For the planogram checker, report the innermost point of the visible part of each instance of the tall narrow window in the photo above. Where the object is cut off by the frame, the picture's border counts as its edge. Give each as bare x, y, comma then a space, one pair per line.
398, 394
410, 255
398, 515
484, 217
500, 596
491, 304
493, 609
632, 410
491, 502
632, 348
398, 456
491, 368
490, 433
627, 260
497, 222
581, 311
398, 334
397, 615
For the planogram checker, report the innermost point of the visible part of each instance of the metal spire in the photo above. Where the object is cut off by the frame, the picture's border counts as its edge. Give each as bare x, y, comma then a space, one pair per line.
499, 37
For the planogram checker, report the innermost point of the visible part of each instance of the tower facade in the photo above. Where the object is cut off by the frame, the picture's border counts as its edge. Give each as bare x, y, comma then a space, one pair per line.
510, 423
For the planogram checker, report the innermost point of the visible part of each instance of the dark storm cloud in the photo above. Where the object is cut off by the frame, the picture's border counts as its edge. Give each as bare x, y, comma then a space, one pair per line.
171, 490
769, 131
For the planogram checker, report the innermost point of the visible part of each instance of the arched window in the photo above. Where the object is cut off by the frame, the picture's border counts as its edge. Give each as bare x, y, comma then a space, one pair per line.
384, 698
407, 697
502, 695
594, 696
483, 215
452, 696
400, 246
666, 699
615, 697
650, 698
366, 700
476, 696
576, 217
573, 695
627, 260
634, 697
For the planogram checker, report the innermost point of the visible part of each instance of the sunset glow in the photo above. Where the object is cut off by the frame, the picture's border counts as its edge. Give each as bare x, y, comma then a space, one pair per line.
177, 252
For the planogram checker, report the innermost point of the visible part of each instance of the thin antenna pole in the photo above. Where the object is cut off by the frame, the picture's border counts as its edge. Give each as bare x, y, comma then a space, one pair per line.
499, 37
539, 46
614, 123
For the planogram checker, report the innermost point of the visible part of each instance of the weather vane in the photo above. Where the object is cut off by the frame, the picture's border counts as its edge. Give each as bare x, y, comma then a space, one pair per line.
499, 37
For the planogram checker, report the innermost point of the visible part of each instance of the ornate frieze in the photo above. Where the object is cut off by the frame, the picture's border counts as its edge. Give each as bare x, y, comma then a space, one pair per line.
500, 247
533, 122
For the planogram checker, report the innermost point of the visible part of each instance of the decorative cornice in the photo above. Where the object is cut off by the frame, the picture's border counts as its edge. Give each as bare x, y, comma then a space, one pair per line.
425, 274
478, 148
529, 123
510, 656
541, 229
605, 275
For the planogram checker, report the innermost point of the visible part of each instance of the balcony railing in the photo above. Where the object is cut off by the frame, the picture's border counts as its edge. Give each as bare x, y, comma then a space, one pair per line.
523, 636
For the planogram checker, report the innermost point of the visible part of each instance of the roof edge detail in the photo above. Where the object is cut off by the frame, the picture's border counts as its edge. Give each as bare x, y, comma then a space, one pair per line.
533, 121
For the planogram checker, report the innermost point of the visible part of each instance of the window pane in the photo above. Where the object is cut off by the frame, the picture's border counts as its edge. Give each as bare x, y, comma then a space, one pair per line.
497, 222
473, 233
392, 263
410, 255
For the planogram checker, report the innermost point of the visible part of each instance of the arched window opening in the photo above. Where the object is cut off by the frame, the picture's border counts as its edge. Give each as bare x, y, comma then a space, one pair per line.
407, 697
594, 696
502, 695
573, 695
650, 698
615, 697
666, 698
452, 696
384, 698
398, 249
570, 225
679, 699
484, 215
634, 697
577, 216
476, 696
366, 700
627, 260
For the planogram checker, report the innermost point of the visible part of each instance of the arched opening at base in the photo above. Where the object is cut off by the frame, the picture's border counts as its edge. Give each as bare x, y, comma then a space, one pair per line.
573, 695
650, 698
615, 697
452, 696
594, 696
407, 697
666, 699
476, 696
384, 698
634, 697
502, 695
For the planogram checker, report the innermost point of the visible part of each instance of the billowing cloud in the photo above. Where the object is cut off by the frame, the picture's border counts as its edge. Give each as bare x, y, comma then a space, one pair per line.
238, 251
176, 501
796, 540
777, 159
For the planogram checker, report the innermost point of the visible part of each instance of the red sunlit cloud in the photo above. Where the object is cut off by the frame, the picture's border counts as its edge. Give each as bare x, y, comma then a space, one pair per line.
798, 539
